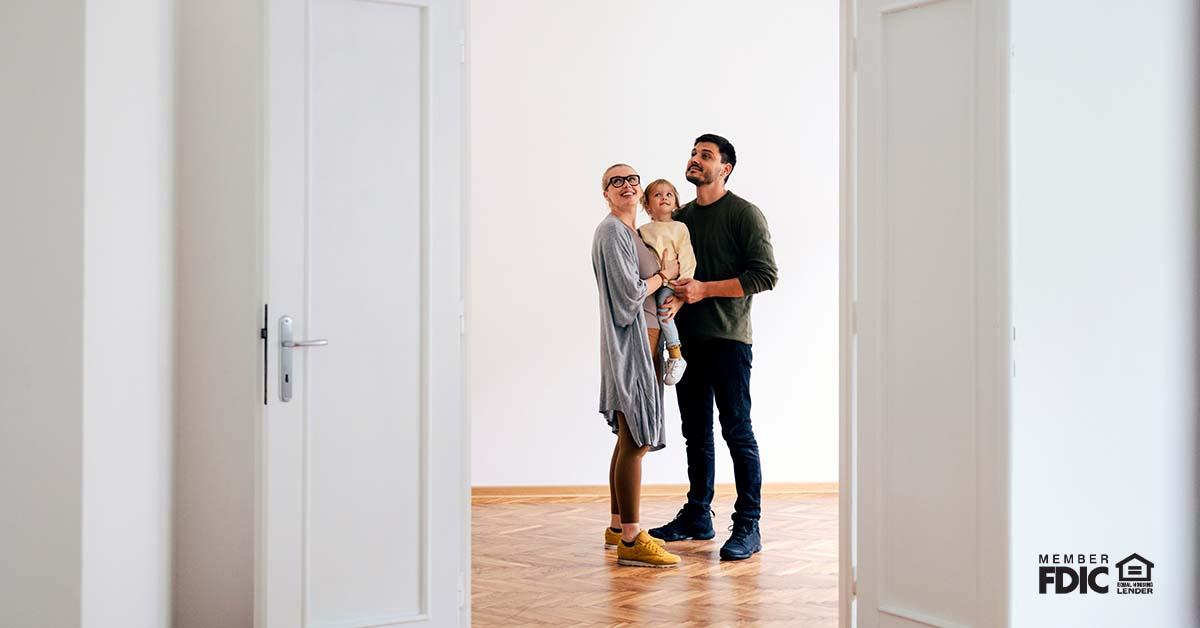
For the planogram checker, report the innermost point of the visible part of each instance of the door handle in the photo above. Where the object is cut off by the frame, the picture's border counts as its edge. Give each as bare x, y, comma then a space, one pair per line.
320, 342
286, 344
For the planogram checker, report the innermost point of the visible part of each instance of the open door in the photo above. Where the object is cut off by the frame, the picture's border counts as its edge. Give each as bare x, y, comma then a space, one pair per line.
932, 366
362, 507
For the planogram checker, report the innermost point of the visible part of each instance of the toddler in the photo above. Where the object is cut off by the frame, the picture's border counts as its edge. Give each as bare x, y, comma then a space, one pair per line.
665, 235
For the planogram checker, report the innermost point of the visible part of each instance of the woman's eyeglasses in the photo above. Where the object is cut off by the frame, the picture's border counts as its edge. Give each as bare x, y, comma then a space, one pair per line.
619, 182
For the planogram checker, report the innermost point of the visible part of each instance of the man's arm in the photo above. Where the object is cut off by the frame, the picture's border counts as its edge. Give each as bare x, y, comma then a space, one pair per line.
761, 273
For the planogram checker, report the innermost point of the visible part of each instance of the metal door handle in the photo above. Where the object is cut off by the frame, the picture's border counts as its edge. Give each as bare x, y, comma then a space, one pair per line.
286, 344
320, 342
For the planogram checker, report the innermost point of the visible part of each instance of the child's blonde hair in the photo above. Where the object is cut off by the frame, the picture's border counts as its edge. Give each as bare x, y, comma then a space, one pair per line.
649, 189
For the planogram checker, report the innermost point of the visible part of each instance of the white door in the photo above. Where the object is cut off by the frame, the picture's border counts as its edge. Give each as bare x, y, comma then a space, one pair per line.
932, 302
363, 509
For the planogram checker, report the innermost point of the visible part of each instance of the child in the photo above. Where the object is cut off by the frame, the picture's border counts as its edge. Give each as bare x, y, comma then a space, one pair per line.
663, 234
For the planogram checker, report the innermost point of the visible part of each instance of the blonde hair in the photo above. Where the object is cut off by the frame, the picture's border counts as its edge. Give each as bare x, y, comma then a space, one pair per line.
604, 177
650, 188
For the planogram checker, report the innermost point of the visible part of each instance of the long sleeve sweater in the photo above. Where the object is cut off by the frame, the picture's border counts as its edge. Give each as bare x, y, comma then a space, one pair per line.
671, 237
731, 240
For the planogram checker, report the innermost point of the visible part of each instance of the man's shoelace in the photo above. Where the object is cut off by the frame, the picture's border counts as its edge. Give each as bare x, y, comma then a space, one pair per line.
745, 528
679, 515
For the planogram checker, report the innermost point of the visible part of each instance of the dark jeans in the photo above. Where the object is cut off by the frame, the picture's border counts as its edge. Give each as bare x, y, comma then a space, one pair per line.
719, 370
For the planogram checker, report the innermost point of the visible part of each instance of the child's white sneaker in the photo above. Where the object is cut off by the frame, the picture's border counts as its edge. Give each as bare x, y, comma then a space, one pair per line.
674, 371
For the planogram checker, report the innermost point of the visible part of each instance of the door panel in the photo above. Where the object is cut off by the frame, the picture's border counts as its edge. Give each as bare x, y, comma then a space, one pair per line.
932, 301
362, 483
928, 436
365, 417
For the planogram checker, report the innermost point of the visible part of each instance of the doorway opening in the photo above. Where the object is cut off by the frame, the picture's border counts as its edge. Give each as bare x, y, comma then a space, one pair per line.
557, 92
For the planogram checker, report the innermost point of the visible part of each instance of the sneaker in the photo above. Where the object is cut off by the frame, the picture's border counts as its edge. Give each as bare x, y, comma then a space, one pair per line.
689, 523
645, 553
612, 538
743, 543
674, 371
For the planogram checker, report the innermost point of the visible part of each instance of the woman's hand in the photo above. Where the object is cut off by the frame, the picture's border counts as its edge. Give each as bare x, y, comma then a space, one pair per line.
669, 266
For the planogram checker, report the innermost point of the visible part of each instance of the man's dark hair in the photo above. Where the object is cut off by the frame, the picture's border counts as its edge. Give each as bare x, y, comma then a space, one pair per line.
728, 155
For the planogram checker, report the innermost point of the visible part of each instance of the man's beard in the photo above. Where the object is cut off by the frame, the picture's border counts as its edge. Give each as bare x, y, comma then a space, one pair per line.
698, 177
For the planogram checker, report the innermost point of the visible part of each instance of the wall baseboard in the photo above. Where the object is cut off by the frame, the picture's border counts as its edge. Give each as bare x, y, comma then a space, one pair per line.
648, 490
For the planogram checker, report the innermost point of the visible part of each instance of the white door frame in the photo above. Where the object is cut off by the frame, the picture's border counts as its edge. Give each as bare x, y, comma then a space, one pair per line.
846, 221
846, 314
466, 586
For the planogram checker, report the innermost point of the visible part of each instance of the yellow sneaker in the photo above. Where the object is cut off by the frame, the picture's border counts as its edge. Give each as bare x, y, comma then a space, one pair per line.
645, 553
611, 539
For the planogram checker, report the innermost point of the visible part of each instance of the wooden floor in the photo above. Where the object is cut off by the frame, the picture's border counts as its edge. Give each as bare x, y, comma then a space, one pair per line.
540, 561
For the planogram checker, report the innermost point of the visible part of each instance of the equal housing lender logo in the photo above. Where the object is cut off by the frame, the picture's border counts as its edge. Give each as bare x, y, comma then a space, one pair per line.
1089, 573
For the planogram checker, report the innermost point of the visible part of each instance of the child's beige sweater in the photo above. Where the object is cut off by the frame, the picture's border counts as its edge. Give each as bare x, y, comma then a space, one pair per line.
674, 237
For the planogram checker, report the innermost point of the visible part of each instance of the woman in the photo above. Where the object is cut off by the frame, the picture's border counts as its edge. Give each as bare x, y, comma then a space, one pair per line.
627, 276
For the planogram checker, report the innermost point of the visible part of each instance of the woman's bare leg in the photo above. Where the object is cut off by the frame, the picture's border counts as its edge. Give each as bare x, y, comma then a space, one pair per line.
628, 480
625, 470
613, 507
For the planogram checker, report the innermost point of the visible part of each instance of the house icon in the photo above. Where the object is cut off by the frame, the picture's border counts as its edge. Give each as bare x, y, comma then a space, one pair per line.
1134, 568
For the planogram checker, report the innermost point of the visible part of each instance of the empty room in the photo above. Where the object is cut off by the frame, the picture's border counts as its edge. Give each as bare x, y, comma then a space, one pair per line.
560, 91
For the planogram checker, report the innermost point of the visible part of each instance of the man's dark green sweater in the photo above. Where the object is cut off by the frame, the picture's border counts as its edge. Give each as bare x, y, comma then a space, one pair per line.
731, 240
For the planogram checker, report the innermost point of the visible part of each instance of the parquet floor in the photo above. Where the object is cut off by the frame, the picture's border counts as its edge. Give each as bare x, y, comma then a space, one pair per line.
540, 561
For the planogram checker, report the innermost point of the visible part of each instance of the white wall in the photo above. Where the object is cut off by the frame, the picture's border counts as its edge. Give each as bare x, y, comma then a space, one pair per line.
41, 312
86, 254
560, 90
1103, 400
128, 323
219, 310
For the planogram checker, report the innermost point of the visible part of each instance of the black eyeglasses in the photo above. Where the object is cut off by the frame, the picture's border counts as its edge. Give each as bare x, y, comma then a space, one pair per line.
619, 182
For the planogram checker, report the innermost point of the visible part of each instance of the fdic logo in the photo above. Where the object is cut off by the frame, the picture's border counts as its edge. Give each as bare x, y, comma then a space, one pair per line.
1068, 573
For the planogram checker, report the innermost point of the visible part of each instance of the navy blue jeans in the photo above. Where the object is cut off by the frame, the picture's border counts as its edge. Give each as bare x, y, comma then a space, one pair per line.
719, 370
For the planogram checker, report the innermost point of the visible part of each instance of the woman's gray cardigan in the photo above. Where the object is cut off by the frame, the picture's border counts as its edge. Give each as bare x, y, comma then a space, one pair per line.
628, 383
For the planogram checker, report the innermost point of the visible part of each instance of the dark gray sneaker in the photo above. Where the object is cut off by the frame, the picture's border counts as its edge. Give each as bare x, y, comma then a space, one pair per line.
690, 523
743, 543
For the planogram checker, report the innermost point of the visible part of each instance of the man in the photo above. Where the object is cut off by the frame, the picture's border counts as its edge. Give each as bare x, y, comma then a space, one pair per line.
734, 260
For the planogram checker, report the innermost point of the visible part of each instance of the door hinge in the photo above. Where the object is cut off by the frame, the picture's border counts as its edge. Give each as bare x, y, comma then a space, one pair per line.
462, 592
854, 318
853, 582
462, 318
462, 46
854, 55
